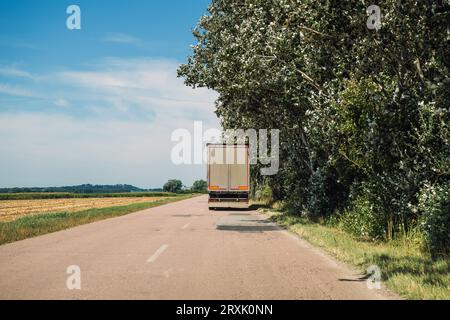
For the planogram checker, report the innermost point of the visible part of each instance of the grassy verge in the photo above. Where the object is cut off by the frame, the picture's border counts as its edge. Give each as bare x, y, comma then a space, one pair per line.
405, 268
39, 224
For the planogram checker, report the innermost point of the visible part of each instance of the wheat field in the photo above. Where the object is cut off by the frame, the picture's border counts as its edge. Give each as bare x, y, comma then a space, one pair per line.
13, 209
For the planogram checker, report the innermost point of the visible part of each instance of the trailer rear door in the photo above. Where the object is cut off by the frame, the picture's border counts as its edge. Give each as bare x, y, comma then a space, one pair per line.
217, 168
238, 168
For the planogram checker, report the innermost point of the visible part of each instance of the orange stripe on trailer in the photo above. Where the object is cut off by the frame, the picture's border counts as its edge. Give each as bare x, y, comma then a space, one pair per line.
215, 188
240, 188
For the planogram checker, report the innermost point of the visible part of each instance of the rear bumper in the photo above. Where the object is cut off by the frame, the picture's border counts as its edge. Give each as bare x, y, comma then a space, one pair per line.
228, 204
228, 200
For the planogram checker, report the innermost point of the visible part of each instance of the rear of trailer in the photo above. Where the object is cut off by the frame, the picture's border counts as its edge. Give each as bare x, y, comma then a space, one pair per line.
228, 176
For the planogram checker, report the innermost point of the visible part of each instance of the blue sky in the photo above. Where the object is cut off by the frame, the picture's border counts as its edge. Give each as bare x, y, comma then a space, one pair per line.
96, 105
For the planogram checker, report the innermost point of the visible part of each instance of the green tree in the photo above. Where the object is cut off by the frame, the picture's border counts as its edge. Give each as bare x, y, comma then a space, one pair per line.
199, 186
366, 109
173, 185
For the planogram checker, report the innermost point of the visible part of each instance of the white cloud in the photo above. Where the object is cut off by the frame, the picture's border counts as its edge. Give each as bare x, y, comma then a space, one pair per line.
15, 91
125, 84
92, 79
116, 128
61, 102
11, 71
40, 149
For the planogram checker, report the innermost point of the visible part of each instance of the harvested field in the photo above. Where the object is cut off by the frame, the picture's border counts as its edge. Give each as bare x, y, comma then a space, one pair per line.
13, 209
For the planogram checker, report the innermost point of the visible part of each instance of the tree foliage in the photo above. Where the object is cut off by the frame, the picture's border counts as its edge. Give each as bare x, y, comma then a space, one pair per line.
199, 186
173, 185
363, 114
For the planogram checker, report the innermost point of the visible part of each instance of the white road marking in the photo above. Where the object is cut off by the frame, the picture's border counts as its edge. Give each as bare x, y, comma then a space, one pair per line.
158, 253
185, 226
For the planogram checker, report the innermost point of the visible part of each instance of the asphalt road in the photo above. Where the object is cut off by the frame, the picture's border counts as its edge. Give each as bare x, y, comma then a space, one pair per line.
177, 251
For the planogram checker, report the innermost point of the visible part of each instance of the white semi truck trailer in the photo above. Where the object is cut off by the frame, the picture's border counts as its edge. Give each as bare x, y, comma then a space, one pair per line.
228, 176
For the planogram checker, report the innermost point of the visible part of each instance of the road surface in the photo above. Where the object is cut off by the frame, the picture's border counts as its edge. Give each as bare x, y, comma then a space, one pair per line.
177, 251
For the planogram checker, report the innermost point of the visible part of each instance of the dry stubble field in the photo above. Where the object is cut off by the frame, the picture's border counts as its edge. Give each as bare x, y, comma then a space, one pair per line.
13, 209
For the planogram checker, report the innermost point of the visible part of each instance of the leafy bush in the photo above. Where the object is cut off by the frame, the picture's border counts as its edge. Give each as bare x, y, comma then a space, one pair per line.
264, 194
294, 203
363, 220
317, 199
434, 202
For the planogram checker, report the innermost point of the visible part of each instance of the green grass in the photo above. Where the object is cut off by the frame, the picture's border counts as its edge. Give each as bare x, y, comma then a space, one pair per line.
39, 224
405, 268
67, 195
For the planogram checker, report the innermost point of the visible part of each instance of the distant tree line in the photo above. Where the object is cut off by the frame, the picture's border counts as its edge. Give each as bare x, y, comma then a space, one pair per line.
176, 186
173, 185
84, 188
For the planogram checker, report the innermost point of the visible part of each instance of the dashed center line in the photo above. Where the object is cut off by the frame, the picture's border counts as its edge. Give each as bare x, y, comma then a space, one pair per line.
185, 226
158, 253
